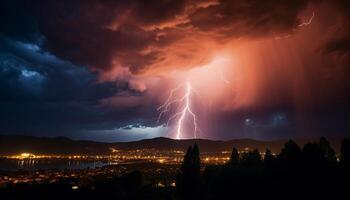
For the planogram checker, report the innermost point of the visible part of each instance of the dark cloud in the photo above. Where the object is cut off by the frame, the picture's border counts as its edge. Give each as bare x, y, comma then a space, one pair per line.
18, 22
249, 18
27, 72
339, 45
41, 94
103, 34
338, 40
100, 34
154, 12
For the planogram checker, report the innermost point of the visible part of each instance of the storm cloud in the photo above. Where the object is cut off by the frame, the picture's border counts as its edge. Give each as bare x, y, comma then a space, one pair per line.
105, 34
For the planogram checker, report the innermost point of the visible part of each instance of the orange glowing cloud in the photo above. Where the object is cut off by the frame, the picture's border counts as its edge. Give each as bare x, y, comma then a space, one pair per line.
237, 54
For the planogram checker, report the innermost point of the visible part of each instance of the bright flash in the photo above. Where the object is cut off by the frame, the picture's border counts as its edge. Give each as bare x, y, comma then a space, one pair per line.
184, 104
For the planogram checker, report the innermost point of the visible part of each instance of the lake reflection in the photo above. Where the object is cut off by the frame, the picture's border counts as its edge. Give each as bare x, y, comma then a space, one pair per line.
39, 164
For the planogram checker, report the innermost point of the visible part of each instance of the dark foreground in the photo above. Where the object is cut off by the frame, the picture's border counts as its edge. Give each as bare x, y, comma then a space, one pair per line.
313, 171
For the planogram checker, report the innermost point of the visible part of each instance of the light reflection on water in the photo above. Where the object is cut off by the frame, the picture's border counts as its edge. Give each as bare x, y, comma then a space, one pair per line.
40, 164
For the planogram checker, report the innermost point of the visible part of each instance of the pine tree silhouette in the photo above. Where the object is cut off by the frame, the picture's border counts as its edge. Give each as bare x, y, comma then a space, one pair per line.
345, 153
268, 157
290, 154
234, 159
188, 178
327, 150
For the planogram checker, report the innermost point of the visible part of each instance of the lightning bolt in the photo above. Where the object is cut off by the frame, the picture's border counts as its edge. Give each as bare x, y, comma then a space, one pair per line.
183, 102
184, 111
306, 23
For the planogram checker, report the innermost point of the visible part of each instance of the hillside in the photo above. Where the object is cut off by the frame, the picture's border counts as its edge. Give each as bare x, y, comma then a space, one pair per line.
10, 145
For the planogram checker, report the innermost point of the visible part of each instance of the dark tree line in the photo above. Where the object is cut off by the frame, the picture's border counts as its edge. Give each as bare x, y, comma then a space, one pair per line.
188, 178
311, 171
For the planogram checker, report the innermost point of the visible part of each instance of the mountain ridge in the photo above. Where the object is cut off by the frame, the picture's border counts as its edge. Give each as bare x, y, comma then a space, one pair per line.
11, 145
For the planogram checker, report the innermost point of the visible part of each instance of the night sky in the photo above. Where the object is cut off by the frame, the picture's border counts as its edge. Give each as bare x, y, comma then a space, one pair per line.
101, 70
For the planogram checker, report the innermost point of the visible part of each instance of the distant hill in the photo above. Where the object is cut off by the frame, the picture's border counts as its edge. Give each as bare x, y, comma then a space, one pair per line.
10, 145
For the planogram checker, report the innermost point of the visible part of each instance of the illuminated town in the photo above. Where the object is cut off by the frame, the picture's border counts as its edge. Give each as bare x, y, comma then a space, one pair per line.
79, 168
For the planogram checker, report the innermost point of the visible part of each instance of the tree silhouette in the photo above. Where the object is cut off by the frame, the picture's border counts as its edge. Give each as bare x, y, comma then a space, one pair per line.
327, 150
196, 161
345, 153
313, 155
290, 153
250, 159
268, 157
234, 159
188, 178
187, 160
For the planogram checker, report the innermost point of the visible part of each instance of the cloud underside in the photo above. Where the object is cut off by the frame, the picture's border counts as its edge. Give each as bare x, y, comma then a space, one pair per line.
107, 34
